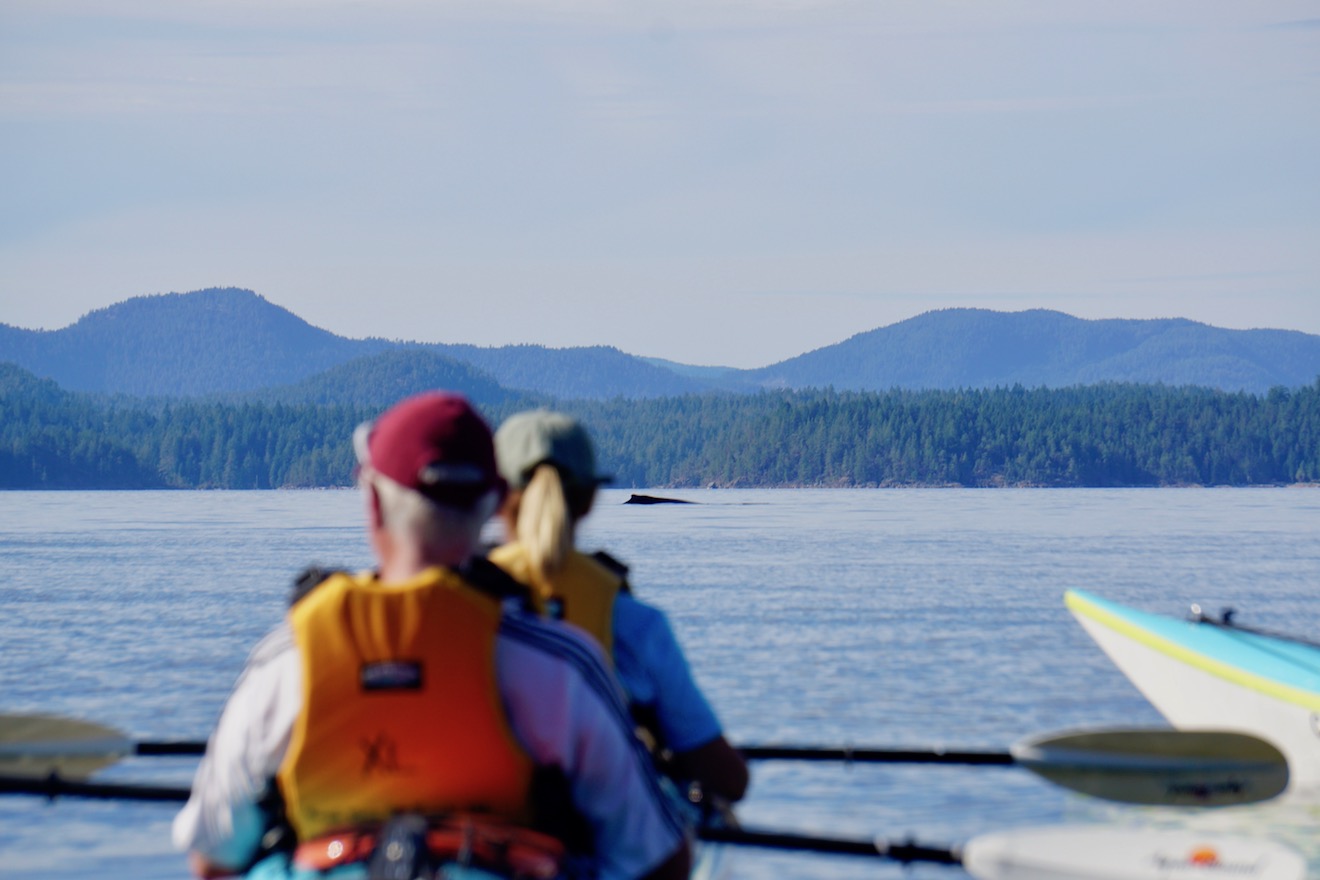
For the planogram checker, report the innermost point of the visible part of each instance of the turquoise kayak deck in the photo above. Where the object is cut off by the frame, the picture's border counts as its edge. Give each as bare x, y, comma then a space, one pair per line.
1284, 669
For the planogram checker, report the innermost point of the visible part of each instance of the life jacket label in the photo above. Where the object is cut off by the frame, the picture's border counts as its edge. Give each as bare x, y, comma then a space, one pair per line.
392, 675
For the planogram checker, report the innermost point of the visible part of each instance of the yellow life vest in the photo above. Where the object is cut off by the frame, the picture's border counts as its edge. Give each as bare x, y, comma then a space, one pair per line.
401, 706
584, 590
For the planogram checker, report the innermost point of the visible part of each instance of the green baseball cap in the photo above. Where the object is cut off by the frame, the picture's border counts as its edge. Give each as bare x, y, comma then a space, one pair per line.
538, 436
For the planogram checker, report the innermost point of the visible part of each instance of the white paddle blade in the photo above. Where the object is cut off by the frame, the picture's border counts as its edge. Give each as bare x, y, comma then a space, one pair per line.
1199, 768
1080, 852
38, 745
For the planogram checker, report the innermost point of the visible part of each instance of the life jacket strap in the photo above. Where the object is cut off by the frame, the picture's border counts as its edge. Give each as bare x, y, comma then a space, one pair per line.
479, 572
615, 567
490, 844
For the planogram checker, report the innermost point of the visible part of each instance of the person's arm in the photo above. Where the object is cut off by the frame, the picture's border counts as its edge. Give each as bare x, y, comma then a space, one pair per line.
655, 672
222, 824
717, 766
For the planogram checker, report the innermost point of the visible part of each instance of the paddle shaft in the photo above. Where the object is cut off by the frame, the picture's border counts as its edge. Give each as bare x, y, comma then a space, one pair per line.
54, 786
181, 747
899, 852
876, 756
752, 753
845, 755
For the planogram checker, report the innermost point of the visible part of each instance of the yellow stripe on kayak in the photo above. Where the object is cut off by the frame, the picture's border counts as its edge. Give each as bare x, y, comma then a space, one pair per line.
1287, 693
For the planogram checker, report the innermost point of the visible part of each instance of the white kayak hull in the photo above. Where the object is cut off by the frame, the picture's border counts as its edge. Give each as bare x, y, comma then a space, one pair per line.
1130, 854
1201, 676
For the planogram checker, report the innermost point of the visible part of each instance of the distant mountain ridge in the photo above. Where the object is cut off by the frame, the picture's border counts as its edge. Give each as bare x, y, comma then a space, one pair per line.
233, 341
182, 344
596, 372
978, 348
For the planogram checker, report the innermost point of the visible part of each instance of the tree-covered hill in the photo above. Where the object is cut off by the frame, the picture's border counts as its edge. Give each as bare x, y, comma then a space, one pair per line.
54, 439
1103, 435
593, 373
1097, 436
378, 380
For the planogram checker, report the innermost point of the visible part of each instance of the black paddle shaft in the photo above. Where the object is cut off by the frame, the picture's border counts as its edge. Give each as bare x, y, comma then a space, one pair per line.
876, 756
170, 748
898, 852
752, 753
54, 786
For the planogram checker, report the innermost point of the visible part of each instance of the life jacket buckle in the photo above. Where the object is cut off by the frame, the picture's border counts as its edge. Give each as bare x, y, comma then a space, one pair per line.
401, 851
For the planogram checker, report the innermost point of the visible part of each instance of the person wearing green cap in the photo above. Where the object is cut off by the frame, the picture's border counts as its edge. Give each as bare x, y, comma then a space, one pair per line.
548, 462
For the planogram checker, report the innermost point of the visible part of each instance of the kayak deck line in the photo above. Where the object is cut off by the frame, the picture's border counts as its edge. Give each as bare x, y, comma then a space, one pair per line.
1226, 622
1283, 648
1094, 609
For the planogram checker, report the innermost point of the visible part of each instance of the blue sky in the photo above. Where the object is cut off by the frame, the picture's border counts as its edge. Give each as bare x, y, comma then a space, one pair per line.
711, 182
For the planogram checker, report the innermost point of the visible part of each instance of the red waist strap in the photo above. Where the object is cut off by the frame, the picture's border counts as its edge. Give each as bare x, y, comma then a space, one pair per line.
509, 850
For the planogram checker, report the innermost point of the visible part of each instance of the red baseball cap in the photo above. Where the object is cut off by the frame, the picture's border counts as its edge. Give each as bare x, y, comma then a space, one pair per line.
435, 444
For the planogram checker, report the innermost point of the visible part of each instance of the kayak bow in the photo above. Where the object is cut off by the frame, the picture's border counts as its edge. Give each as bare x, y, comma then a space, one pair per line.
1201, 674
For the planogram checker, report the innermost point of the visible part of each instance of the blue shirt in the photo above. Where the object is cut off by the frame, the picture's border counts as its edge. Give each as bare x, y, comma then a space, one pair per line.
655, 674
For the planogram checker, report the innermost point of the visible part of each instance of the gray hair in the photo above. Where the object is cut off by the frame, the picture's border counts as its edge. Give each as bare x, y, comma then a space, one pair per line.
412, 516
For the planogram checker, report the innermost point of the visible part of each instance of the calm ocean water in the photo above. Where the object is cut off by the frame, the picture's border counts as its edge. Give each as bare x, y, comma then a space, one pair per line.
859, 617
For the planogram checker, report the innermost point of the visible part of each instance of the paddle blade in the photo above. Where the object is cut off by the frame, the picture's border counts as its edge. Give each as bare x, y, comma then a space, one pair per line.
1162, 767
38, 745
1105, 853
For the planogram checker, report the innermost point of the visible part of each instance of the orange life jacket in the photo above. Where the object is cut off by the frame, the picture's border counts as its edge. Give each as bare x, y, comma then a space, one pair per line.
401, 706
582, 592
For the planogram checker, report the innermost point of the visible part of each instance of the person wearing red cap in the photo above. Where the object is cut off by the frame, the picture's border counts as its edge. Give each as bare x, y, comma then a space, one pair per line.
419, 703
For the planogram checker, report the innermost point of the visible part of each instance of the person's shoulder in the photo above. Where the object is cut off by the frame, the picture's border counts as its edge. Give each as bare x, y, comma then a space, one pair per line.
487, 577
632, 614
547, 635
553, 642
610, 564
272, 659
309, 579
274, 645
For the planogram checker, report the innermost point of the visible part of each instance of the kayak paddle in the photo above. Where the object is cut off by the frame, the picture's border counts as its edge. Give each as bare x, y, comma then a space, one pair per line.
41, 744
1143, 766
1140, 766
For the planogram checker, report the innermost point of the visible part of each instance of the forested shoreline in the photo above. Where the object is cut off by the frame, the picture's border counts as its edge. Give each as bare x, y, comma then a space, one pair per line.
1102, 435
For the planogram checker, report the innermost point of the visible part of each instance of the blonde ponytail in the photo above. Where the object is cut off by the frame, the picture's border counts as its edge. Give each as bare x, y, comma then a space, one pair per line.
544, 527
